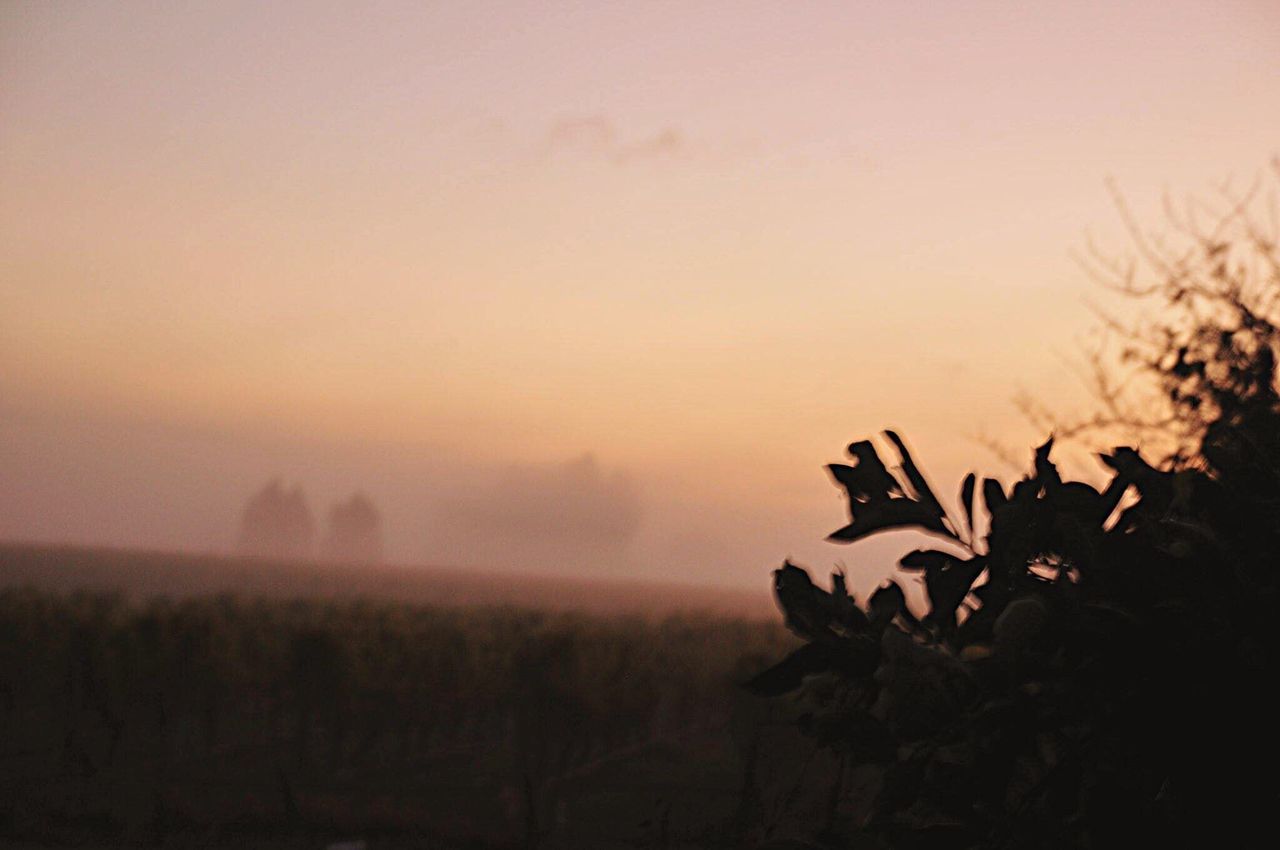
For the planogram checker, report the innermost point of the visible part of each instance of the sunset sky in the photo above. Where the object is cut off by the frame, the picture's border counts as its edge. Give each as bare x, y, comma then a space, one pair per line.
440, 252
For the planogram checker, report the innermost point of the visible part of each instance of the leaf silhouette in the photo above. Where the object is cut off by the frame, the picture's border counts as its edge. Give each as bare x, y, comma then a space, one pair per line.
1127, 462
947, 580
967, 492
868, 480
993, 495
925, 560
878, 501
1046, 473
886, 603
915, 478
898, 513
806, 606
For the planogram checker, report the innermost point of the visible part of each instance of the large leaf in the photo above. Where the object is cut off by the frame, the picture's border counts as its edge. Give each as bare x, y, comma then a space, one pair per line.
867, 480
947, 581
915, 478
925, 560
889, 515
808, 608
878, 501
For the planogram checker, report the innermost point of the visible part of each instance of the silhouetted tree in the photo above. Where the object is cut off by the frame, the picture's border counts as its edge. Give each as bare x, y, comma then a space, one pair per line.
1093, 668
355, 531
1083, 675
277, 523
1206, 344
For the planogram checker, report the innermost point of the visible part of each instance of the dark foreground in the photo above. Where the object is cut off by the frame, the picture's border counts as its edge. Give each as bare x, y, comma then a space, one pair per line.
219, 721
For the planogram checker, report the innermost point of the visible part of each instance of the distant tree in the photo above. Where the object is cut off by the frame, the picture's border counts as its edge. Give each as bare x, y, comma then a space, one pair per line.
277, 523
355, 531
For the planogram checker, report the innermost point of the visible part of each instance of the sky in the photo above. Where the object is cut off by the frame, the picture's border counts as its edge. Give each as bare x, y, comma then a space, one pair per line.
593, 288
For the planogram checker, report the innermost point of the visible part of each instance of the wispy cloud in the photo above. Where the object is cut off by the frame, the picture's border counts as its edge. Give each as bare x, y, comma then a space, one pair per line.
595, 136
668, 142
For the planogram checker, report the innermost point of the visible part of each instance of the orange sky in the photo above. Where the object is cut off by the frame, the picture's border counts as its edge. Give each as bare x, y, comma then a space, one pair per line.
408, 247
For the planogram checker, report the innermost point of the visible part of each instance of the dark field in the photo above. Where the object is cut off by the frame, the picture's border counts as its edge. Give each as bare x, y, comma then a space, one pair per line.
254, 719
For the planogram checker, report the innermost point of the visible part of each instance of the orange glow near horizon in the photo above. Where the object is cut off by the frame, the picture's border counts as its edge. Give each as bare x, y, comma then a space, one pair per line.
405, 247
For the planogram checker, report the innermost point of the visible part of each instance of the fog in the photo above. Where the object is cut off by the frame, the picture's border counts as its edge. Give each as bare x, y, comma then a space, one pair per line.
593, 292
134, 482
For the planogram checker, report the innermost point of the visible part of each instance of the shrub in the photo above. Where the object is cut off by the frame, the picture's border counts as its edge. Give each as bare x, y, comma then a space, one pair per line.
1090, 671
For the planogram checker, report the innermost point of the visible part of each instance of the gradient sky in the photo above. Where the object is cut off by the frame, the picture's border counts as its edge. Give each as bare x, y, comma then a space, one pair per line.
440, 252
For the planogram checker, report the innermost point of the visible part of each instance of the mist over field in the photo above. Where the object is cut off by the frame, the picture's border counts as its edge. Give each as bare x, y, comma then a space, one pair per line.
440, 255
134, 483
129, 481
145, 484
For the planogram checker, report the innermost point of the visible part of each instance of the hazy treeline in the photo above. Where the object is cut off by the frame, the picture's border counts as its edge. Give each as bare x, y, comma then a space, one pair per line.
278, 523
222, 711
549, 514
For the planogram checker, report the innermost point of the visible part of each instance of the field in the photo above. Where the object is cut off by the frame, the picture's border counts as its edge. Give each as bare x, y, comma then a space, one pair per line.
306, 709
140, 575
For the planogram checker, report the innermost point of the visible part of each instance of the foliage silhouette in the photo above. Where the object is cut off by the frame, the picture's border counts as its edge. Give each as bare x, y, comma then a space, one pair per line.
1209, 348
1085, 674
1093, 668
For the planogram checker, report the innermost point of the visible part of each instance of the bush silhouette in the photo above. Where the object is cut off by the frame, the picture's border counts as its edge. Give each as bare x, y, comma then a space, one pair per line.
1092, 668
1085, 673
